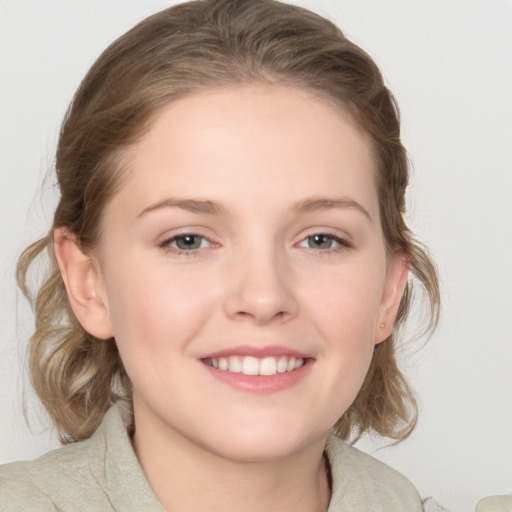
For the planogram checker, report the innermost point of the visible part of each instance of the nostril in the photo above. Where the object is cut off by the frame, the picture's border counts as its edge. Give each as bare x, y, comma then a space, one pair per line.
261, 316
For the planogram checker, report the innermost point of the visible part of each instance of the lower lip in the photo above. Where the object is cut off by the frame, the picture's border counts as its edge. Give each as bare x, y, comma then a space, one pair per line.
262, 384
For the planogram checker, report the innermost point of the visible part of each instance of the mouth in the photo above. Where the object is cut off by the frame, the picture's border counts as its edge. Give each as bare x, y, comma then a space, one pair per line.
252, 366
258, 369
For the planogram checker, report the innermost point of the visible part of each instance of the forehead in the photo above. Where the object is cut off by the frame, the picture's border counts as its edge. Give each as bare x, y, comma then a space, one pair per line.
240, 141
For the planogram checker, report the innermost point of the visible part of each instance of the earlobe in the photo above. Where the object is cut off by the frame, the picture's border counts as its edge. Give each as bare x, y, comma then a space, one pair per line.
396, 279
84, 285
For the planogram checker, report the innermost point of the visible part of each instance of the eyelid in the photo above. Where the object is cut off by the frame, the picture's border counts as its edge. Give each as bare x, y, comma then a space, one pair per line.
172, 232
330, 232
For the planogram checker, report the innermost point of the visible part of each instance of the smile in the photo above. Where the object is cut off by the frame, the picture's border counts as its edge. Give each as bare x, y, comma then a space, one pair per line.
249, 365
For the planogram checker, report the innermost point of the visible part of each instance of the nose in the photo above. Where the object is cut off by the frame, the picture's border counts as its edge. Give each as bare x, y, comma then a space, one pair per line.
260, 289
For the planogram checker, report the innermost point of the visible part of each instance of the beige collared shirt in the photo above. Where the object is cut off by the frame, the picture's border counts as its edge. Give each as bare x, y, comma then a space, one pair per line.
103, 474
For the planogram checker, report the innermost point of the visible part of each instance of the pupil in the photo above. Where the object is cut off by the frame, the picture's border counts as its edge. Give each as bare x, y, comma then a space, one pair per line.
188, 242
320, 241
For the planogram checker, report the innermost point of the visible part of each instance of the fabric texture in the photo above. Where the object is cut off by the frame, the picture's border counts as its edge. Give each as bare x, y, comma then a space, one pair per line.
495, 504
104, 475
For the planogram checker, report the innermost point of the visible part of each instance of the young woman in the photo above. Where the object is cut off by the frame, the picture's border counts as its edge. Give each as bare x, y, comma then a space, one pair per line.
229, 267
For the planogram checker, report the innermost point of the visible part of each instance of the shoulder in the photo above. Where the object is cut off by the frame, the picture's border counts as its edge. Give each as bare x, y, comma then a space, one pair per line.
69, 478
22, 495
56, 479
361, 482
101, 473
18, 493
54, 463
495, 504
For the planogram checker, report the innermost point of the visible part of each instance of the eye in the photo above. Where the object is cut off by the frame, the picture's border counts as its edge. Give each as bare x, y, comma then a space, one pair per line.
185, 243
323, 242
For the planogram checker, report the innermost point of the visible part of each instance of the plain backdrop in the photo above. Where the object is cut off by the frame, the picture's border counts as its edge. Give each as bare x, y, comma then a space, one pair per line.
449, 64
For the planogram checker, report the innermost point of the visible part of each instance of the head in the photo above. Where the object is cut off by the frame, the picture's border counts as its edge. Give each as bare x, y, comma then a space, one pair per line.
184, 52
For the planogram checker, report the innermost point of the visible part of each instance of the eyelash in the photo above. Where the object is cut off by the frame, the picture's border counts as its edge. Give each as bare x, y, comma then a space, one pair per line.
341, 243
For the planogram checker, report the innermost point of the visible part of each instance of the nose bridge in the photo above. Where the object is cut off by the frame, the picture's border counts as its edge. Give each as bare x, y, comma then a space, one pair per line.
260, 284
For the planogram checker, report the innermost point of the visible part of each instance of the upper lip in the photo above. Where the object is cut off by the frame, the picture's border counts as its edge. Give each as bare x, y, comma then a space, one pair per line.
256, 351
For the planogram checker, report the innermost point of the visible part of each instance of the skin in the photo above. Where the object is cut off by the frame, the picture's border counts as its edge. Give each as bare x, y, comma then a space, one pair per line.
280, 167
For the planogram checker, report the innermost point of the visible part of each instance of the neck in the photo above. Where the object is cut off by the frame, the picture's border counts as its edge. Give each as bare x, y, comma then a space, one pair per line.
187, 477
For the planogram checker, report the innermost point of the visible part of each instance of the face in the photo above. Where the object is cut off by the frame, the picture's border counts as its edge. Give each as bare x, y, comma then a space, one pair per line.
243, 271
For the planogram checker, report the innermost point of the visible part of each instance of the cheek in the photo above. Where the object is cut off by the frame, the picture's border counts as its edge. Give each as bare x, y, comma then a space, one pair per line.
344, 308
347, 302
153, 319
154, 311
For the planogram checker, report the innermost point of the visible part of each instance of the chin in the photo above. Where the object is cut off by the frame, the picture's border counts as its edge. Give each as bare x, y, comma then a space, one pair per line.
265, 444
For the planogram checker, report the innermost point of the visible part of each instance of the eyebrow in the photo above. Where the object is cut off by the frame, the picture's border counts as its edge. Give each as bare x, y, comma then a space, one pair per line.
191, 205
326, 203
212, 207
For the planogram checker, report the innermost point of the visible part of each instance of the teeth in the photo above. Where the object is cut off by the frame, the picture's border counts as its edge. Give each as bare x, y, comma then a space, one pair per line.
250, 366
253, 366
235, 365
268, 366
282, 364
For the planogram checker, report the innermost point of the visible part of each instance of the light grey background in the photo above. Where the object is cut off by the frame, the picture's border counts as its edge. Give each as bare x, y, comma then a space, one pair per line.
449, 64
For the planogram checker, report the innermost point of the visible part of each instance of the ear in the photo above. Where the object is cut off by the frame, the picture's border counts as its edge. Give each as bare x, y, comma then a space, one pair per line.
84, 284
396, 279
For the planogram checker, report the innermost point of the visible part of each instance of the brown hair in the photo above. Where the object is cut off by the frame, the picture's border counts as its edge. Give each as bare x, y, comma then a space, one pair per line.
186, 48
